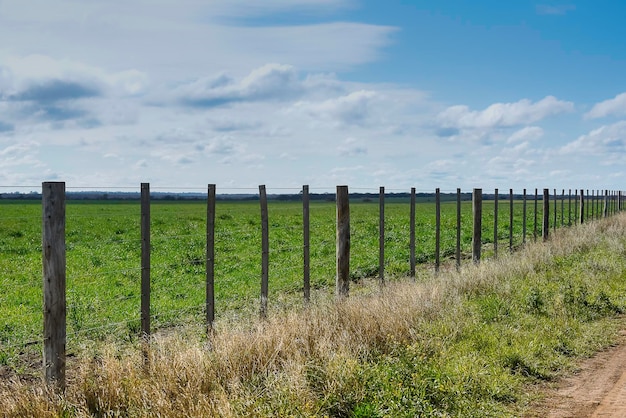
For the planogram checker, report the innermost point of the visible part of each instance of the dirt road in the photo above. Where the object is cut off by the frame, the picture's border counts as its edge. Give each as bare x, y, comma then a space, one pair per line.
597, 390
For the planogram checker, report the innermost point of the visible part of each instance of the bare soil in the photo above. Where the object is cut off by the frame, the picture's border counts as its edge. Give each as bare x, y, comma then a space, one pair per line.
597, 389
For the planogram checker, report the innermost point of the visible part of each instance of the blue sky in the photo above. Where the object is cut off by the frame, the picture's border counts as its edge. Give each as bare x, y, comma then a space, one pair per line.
520, 94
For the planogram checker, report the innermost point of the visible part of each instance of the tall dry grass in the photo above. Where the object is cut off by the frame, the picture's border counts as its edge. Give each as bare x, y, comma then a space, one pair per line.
296, 362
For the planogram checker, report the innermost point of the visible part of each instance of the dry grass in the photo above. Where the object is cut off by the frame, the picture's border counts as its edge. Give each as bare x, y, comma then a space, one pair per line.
306, 361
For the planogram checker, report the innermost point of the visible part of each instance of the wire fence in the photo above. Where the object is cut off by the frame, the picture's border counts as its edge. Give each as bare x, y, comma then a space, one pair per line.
103, 242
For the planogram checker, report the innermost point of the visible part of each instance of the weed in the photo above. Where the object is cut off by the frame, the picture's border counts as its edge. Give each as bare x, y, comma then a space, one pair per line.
535, 301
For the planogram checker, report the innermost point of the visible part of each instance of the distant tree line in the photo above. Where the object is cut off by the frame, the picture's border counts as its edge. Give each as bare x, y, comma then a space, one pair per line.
326, 197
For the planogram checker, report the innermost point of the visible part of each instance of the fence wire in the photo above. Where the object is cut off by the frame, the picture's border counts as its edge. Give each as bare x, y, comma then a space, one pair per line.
183, 244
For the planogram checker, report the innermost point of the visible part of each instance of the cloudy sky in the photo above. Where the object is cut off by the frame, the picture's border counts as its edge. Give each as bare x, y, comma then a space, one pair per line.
181, 93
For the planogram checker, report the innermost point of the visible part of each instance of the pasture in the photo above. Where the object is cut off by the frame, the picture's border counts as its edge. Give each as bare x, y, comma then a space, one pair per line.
104, 247
482, 342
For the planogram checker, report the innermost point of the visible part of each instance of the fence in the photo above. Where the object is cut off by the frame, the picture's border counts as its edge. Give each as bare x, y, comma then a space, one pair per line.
581, 206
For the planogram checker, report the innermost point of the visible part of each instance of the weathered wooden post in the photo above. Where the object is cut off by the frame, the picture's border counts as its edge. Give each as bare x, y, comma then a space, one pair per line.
265, 251
582, 206
437, 229
589, 205
562, 207
555, 210
145, 260
546, 214
495, 224
524, 221
342, 280
54, 274
412, 233
535, 225
381, 236
458, 229
306, 237
477, 213
576, 202
210, 258
510, 220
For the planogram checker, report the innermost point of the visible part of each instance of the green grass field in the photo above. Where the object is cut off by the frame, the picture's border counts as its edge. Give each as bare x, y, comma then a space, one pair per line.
485, 341
103, 259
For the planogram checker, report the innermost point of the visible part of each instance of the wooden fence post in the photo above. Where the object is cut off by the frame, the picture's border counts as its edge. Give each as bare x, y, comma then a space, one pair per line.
582, 206
546, 214
477, 212
342, 280
265, 251
576, 202
412, 233
145, 261
458, 229
589, 205
562, 207
535, 225
511, 220
381, 236
437, 229
555, 210
524, 221
495, 224
210, 258
54, 275
306, 237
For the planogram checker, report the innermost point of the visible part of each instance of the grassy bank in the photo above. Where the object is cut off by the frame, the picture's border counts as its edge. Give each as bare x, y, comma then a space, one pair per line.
466, 344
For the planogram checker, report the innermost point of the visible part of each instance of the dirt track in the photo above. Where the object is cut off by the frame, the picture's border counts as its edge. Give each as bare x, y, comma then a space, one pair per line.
598, 389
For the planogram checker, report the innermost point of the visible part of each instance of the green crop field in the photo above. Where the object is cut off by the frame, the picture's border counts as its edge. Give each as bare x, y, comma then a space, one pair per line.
104, 246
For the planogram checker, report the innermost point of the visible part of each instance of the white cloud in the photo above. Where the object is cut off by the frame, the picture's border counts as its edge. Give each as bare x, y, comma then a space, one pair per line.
21, 72
22, 155
140, 164
352, 148
442, 168
611, 107
608, 141
350, 109
18, 149
528, 133
71, 11
318, 47
246, 8
503, 114
269, 82
223, 146
174, 39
